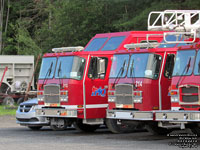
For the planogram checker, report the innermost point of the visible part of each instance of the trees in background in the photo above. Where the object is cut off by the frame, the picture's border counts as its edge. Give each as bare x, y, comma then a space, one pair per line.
36, 26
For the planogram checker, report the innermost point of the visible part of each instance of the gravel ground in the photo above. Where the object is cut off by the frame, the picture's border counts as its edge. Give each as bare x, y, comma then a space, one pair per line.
16, 137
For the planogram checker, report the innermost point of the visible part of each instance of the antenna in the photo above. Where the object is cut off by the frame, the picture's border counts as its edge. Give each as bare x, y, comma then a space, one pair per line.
68, 49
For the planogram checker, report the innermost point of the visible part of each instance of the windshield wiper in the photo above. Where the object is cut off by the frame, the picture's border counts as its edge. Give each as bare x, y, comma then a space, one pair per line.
48, 73
121, 71
132, 74
184, 71
59, 72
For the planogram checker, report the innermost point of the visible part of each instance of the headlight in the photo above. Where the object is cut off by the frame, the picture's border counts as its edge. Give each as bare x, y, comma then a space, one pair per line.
111, 99
40, 96
64, 96
174, 99
137, 100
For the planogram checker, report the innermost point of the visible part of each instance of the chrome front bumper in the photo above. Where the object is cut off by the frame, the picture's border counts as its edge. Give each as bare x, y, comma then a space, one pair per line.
130, 115
55, 112
178, 116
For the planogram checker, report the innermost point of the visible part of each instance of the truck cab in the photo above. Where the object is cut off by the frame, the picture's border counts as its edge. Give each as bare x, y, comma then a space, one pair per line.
139, 88
184, 88
73, 84
138, 83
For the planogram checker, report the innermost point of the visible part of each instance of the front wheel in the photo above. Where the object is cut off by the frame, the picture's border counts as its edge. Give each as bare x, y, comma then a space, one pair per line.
78, 124
153, 128
119, 128
35, 128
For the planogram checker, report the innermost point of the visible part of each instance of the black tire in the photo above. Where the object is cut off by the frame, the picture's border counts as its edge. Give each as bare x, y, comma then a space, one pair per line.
57, 128
85, 127
20, 100
5, 88
8, 101
153, 128
35, 128
195, 128
115, 128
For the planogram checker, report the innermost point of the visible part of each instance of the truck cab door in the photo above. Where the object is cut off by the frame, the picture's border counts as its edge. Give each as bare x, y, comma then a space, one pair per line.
96, 86
166, 80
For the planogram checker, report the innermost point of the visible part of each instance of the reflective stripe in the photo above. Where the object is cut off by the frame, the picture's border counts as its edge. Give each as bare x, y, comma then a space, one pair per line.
70, 106
87, 106
175, 108
97, 106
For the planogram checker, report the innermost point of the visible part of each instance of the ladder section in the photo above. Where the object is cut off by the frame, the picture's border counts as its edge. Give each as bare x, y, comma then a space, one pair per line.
174, 20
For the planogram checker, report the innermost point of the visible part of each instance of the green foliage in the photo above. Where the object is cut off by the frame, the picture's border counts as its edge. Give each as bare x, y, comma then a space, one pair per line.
36, 26
25, 44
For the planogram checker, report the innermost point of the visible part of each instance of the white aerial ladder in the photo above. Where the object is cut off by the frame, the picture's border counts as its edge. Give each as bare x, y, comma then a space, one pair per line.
184, 23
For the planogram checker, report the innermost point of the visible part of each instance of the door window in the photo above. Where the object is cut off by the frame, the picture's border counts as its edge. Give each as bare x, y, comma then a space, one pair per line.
98, 67
169, 65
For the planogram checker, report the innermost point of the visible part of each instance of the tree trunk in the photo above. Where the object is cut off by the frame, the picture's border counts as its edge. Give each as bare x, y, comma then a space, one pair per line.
7, 17
1, 24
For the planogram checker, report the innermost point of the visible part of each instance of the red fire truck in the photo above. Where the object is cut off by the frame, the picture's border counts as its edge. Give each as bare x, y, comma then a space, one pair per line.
184, 89
139, 79
73, 84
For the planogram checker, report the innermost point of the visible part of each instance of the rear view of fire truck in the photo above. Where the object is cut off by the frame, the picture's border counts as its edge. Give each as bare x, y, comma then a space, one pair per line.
184, 90
139, 79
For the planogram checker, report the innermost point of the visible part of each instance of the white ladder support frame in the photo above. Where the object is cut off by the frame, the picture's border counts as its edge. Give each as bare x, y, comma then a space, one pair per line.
179, 20
148, 44
192, 34
182, 22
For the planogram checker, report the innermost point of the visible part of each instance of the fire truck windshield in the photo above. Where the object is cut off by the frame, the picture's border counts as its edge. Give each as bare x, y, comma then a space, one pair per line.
117, 64
197, 64
184, 63
67, 67
70, 67
47, 68
146, 65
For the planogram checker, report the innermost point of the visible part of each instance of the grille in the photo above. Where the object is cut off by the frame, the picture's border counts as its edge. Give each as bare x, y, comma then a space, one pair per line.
189, 90
25, 108
124, 94
51, 93
189, 94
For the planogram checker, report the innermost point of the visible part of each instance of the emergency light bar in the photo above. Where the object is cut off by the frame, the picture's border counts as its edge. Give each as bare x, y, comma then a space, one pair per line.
141, 45
68, 49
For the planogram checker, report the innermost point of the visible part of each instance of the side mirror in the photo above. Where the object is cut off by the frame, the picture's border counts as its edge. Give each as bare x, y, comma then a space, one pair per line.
101, 66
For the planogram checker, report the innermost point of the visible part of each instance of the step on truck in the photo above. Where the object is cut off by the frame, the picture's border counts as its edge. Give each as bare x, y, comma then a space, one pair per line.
139, 78
73, 81
184, 90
